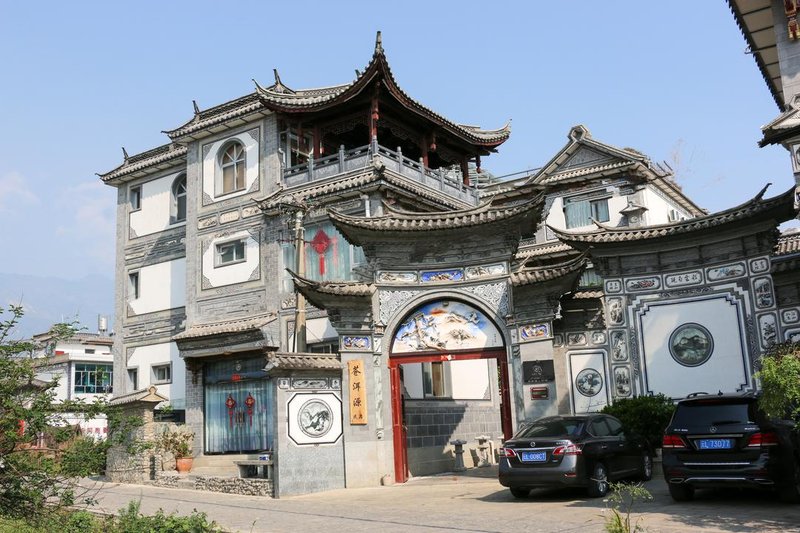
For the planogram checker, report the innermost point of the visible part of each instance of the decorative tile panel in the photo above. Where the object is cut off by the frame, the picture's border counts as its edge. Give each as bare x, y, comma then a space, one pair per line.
683, 279
757, 266
762, 293
725, 272
643, 284
485, 271
431, 276
356, 343
397, 277
530, 332
613, 286
790, 316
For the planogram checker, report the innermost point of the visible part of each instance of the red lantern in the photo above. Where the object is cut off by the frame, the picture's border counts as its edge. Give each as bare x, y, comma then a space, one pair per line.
320, 243
250, 402
230, 403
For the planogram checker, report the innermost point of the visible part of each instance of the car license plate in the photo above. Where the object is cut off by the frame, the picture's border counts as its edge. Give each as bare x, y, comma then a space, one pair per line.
715, 444
534, 457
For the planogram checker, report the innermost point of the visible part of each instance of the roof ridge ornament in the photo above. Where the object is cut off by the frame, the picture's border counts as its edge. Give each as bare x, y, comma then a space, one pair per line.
579, 133
125, 154
378, 43
196, 108
760, 194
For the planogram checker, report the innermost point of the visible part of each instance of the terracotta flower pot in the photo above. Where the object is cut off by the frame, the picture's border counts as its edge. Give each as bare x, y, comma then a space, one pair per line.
183, 464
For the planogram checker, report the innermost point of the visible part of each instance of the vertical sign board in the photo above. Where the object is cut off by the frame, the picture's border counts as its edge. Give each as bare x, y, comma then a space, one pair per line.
358, 392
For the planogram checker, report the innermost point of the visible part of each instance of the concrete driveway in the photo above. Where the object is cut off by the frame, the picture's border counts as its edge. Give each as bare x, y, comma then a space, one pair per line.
472, 501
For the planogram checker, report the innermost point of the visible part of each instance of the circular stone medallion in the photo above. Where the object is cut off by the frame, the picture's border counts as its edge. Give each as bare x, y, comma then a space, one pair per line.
589, 382
691, 344
314, 418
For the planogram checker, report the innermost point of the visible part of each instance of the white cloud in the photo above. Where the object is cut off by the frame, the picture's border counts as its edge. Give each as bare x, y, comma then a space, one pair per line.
14, 191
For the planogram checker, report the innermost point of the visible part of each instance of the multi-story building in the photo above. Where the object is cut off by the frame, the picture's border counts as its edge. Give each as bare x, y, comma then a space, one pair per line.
82, 365
330, 274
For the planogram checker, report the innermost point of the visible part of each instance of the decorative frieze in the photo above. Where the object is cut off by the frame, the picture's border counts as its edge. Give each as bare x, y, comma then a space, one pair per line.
685, 278
768, 330
790, 316
531, 332
762, 293
643, 284
391, 301
495, 294
616, 314
432, 276
619, 347
485, 271
397, 277
229, 216
360, 343
726, 272
622, 381
613, 286
757, 266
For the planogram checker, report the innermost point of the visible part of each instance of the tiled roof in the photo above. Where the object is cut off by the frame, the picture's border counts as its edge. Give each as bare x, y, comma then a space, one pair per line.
228, 326
162, 154
754, 18
338, 288
218, 114
149, 395
787, 244
281, 98
587, 294
408, 222
783, 203
607, 168
553, 247
529, 276
304, 361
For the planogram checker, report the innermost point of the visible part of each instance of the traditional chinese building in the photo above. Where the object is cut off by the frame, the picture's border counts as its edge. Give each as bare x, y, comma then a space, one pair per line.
330, 274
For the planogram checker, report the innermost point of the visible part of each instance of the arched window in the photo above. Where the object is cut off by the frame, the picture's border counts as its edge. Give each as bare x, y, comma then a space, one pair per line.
232, 163
179, 199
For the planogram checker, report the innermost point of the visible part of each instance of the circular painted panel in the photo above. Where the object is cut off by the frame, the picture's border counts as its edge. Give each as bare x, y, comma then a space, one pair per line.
589, 382
691, 344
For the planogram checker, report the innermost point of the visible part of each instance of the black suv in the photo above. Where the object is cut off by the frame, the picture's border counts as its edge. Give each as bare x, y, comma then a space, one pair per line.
725, 440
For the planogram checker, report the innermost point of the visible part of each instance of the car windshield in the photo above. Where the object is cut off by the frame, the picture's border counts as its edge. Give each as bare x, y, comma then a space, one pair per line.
714, 414
552, 427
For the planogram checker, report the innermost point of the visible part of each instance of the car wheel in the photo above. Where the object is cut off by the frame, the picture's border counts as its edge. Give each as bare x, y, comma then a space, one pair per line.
790, 493
681, 492
598, 482
520, 493
646, 468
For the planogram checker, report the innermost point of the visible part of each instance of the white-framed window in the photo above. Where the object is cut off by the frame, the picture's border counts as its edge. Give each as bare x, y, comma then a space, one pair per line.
436, 380
580, 212
675, 215
232, 164
133, 379
135, 197
133, 286
178, 207
231, 252
161, 374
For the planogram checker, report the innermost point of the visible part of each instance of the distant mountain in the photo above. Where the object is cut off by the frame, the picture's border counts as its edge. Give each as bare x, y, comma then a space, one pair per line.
48, 300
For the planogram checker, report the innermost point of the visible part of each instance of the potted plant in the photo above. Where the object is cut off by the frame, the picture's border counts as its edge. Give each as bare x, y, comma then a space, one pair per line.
178, 442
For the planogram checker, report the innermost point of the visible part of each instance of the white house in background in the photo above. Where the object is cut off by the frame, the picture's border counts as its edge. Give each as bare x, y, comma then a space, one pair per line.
83, 365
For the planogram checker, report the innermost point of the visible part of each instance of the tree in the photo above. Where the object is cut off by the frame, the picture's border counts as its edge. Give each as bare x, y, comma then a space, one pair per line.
41, 457
780, 381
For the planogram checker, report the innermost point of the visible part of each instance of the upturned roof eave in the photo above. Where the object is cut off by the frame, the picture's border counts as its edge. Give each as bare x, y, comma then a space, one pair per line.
530, 276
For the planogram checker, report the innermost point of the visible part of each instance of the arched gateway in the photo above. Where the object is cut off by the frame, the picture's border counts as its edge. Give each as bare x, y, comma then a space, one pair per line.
449, 378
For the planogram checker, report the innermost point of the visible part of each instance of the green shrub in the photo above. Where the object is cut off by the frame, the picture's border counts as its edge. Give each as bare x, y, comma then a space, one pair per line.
780, 382
646, 416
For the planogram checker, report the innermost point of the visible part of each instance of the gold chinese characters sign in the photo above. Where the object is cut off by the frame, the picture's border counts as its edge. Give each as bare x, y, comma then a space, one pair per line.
358, 392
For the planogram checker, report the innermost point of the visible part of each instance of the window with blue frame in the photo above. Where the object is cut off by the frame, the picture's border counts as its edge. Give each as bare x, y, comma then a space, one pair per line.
93, 378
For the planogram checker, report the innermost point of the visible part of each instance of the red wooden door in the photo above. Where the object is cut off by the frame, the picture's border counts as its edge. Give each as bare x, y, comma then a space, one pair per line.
398, 426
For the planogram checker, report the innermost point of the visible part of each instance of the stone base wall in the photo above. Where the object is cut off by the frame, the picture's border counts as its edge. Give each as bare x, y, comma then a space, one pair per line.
234, 485
167, 479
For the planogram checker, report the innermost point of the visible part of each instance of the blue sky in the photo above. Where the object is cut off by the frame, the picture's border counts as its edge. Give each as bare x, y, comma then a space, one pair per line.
82, 79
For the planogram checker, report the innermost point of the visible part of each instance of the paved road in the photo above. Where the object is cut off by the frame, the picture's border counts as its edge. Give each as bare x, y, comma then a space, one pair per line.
473, 502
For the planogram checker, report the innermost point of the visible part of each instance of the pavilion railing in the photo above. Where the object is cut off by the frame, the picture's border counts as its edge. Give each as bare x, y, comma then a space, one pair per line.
361, 157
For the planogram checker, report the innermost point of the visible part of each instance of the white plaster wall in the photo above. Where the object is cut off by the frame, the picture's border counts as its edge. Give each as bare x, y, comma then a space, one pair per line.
724, 371
319, 329
211, 165
154, 216
144, 357
469, 380
236, 272
62, 391
658, 208
161, 286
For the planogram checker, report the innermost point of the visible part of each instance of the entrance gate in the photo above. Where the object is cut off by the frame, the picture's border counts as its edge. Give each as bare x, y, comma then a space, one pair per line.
457, 332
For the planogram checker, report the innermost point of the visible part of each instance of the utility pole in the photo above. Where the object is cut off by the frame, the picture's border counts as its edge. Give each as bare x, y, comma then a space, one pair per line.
300, 305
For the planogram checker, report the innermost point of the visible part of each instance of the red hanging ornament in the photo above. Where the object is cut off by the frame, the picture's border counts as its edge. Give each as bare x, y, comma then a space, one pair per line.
230, 403
250, 402
320, 243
